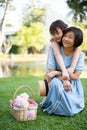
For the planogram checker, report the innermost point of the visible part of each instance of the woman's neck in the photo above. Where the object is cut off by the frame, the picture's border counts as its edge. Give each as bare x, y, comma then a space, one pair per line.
68, 51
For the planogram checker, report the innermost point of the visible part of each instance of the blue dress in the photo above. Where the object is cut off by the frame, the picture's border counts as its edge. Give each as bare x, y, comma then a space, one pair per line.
58, 100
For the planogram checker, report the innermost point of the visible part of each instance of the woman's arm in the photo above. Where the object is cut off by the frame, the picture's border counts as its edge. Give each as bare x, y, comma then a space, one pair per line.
75, 75
52, 73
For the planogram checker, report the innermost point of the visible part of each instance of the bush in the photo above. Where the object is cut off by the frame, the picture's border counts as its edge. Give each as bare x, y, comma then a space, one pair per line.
15, 49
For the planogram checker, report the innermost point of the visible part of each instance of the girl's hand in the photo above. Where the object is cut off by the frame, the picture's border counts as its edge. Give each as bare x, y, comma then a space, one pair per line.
70, 70
65, 75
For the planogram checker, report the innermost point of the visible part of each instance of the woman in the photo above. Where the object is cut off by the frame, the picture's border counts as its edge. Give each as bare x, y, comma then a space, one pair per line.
66, 100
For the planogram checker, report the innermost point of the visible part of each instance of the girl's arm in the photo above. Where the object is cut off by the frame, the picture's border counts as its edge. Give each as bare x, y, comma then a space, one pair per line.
75, 59
56, 49
78, 69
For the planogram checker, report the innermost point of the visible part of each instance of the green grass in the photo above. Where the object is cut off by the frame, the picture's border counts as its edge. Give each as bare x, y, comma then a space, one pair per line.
43, 121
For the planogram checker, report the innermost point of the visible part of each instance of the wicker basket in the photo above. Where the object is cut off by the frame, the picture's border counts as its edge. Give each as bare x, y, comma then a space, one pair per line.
24, 114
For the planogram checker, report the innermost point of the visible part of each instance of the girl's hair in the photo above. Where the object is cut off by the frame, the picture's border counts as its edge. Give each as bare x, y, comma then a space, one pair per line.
78, 35
57, 24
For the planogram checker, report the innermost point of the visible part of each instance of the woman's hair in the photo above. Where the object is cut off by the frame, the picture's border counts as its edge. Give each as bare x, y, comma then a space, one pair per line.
57, 24
78, 35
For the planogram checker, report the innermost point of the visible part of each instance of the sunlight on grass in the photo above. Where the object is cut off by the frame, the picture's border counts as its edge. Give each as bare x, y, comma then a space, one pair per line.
84, 74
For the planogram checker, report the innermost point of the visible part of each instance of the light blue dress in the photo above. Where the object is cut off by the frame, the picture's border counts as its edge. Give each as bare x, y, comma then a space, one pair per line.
58, 100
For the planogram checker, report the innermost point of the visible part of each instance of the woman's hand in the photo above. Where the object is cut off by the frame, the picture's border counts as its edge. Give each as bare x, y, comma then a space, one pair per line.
67, 85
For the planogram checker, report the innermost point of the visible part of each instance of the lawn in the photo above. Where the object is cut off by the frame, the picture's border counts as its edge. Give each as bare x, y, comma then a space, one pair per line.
43, 121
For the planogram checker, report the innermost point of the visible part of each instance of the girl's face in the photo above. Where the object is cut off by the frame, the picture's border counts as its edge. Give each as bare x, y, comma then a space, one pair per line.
57, 35
68, 39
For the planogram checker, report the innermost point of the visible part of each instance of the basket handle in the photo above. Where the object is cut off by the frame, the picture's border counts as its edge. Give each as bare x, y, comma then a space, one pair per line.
23, 87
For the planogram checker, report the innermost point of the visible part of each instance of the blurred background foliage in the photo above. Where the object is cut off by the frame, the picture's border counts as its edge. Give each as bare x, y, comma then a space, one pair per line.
31, 37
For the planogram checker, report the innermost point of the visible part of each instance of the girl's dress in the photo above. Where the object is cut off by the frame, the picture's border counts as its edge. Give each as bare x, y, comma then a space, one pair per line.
58, 100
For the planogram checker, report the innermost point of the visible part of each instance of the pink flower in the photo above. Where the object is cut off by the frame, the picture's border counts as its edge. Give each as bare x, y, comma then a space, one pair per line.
24, 95
31, 101
21, 102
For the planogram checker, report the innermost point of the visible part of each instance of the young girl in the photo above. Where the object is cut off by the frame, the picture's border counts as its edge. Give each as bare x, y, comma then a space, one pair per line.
56, 30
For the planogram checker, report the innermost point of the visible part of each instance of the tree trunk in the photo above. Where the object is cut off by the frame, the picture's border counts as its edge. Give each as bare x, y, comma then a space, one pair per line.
2, 25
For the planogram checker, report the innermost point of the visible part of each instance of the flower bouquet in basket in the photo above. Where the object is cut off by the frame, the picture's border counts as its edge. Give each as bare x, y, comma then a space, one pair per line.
22, 107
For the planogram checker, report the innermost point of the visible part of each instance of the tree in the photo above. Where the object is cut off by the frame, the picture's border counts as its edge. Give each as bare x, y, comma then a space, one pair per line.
30, 37
4, 4
79, 9
33, 12
83, 27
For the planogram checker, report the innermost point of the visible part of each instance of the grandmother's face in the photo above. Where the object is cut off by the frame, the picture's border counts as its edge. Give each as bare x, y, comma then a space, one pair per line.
68, 39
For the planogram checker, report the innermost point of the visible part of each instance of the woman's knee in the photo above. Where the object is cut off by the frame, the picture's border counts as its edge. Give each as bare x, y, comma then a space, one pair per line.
55, 82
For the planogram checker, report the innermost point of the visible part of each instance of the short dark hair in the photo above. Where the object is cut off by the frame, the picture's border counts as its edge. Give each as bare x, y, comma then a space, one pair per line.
78, 35
57, 24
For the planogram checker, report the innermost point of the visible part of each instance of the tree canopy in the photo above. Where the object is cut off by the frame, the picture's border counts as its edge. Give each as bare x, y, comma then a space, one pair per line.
78, 9
33, 12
